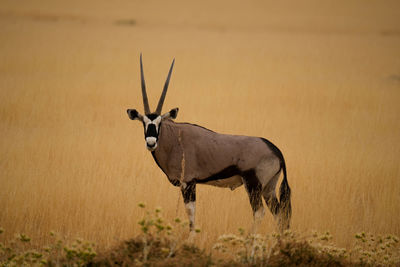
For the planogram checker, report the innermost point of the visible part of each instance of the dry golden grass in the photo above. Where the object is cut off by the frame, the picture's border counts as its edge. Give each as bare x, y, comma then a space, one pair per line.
320, 80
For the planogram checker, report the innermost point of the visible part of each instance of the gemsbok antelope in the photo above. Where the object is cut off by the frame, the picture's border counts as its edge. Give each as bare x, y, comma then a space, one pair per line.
190, 154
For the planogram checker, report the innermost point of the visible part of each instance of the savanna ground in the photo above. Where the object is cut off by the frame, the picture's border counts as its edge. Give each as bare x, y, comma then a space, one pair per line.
321, 80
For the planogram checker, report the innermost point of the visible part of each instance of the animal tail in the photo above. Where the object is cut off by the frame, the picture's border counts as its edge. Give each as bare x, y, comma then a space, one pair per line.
285, 206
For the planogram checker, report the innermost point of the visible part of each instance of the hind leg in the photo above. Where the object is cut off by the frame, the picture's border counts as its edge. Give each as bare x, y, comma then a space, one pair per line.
270, 195
277, 209
268, 172
254, 190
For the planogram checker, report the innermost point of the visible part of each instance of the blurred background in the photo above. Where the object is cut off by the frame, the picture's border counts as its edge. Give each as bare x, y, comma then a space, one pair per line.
320, 79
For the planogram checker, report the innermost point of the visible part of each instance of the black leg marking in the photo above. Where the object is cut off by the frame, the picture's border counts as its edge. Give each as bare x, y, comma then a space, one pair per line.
189, 192
253, 188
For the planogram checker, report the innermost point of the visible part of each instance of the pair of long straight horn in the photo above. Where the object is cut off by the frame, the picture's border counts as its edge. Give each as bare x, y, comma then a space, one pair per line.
163, 94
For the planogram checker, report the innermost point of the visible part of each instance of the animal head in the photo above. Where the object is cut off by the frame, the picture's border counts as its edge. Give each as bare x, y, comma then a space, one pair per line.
152, 120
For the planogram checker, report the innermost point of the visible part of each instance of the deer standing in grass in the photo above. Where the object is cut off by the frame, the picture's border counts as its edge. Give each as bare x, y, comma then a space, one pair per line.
190, 154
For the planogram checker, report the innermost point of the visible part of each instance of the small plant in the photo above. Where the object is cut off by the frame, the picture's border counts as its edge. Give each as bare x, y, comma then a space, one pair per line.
247, 249
79, 252
19, 252
323, 243
284, 249
156, 230
376, 250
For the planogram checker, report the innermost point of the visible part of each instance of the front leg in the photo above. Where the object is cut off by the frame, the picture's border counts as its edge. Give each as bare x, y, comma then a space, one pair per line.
189, 198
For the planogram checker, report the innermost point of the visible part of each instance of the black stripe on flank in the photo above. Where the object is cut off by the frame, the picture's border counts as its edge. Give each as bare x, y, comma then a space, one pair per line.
223, 174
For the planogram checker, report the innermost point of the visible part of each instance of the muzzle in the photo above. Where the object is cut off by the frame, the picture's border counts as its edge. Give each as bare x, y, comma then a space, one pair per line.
151, 143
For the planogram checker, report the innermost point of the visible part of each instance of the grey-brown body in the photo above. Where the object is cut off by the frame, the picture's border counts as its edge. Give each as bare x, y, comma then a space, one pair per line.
190, 154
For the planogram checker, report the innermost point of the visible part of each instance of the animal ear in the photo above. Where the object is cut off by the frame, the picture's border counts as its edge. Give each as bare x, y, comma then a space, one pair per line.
134, 115
173, 113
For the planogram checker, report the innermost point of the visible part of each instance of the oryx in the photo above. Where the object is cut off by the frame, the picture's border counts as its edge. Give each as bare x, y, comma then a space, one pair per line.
190, 154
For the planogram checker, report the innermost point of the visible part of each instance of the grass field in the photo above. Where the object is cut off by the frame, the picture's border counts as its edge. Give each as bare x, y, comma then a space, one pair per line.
321, 80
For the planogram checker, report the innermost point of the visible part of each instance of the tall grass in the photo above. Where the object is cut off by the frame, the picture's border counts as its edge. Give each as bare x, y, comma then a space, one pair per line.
162, 243
72, 162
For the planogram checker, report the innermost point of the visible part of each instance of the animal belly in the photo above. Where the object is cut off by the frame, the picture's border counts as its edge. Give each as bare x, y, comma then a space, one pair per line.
231, 182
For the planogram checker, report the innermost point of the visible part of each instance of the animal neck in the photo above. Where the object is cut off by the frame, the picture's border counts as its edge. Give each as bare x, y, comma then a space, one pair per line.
168, 140
169, 133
